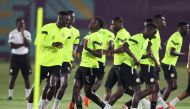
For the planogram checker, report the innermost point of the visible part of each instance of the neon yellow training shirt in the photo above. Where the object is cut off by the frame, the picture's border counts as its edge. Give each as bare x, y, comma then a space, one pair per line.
94, 43
137, 45
156, 43
121, 37
49, 55
69, 42
175, 41
107, 36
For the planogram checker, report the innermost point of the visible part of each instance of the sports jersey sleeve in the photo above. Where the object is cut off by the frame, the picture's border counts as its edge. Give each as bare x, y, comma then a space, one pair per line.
97, 43
43, 38
174, 41
122, 38
11, 38
77, 38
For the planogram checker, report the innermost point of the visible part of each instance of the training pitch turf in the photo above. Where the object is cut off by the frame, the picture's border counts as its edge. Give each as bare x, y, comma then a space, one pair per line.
19, 101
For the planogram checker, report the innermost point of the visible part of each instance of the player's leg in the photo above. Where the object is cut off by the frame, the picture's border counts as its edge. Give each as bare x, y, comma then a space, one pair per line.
26, 71
78, 84
172, 85
44, 92
183, 95
43, 74
120, 75
170, 75
100, 76
89, 76
110, 82
54, 77
13, 71
64, 76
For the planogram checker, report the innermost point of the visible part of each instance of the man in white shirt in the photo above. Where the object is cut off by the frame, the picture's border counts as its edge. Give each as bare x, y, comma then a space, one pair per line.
19, 41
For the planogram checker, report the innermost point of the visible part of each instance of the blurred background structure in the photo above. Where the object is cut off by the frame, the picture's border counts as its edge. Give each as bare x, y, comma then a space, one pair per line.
133, 11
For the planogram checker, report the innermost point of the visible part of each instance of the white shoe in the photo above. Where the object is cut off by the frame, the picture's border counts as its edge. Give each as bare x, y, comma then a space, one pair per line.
107, 106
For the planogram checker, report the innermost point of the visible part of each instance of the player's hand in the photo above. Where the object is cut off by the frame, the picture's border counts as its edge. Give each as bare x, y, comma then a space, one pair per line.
85, 44
109, 52
158, 68
183, 54
136, 62
57, 44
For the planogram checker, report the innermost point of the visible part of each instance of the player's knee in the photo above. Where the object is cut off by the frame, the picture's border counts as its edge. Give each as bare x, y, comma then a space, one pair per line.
174, 87
156, 89
64, 86
88, 94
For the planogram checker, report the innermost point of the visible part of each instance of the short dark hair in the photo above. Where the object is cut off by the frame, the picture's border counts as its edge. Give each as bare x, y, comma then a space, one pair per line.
157, 16
149, 20
100, 20
151, 25
181, 23
63, 13
118, 19
19, 19
70, 12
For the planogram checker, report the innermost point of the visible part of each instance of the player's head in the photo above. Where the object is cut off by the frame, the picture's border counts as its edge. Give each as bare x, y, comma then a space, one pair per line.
117, 23
183, 28
149, 30
159, 21
72, 16
147, 21
63, 18
20, 23
96, 23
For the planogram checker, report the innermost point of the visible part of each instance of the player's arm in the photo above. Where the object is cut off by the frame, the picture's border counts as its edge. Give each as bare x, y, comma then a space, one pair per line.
27, 42
188, 62
98, 53
173, 52
11, 41
125, 48
110, 47
15, 46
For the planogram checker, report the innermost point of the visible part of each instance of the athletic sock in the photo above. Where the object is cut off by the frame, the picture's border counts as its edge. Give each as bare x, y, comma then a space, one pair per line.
55, 104
174, 101
140, 105
162, 102
11, 92
43, 103
27, 92
145, 103
29, 105
46, 103
153, 105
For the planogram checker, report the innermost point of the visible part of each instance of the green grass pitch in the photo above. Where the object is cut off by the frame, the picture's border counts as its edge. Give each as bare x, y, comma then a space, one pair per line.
19, 101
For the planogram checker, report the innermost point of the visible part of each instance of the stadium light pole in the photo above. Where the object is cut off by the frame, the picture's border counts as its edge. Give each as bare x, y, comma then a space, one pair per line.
37, 58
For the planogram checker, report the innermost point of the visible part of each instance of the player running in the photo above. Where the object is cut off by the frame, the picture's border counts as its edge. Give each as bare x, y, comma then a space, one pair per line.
186, 93
70, 43
51, 40
122, 35
86, 73
173, 48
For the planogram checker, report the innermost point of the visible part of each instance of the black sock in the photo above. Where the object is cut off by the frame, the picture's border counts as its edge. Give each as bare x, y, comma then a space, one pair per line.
128, 104
153, 105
